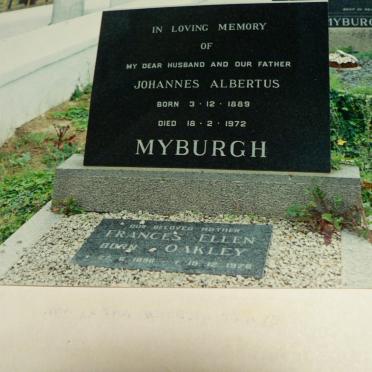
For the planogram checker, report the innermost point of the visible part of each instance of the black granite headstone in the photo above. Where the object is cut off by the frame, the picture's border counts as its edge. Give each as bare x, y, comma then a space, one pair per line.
209, 248
350, 13
225, 86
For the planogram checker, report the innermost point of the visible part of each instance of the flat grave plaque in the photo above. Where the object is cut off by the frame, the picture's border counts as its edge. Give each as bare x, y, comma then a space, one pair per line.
241, 86
200, 248
350, 13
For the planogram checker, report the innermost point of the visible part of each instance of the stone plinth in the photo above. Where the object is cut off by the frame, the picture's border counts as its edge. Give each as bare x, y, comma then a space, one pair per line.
165, 190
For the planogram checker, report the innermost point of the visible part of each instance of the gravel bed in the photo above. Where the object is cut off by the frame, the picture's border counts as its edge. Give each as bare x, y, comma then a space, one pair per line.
297, 258
355, 78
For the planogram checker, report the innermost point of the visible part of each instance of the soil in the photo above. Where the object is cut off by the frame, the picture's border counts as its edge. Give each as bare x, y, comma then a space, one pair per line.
43, 124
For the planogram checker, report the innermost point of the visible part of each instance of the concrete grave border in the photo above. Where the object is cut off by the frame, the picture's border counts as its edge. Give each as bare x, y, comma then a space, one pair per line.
25, 237
356, 252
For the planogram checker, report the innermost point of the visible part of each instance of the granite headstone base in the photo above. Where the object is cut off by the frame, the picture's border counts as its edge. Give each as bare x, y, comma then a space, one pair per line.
212, 192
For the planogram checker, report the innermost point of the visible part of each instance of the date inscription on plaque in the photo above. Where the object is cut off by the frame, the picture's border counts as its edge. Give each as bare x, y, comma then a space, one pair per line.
195, 248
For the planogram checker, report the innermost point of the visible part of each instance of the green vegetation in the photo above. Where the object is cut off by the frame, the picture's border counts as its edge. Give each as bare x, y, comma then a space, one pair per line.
363, 56
335, 82
28, 161
325, 215
361, 90
77, 115
338, 86
33, 138
80, 93
68, 207
20, 197
351, 137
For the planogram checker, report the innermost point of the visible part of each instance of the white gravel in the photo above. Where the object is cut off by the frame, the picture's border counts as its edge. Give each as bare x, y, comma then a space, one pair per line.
297, 258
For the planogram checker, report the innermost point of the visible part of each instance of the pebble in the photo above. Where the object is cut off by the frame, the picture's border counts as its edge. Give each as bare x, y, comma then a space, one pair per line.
297, 258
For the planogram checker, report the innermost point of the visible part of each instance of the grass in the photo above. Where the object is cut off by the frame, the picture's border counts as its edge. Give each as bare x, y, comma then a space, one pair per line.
21, 196
77, 115
362, 90
28, 161
335, 82
360, 55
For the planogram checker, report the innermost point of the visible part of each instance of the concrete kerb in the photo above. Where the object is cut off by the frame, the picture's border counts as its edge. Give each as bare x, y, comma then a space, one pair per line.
356, 261
25, 237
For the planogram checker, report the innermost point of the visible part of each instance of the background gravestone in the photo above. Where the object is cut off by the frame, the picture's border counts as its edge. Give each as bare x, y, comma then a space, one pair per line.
225, 87
350, 13
67, 9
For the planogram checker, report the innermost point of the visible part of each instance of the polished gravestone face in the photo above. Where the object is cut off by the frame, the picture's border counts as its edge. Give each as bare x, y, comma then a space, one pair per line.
350, 13
209, 248
223, 87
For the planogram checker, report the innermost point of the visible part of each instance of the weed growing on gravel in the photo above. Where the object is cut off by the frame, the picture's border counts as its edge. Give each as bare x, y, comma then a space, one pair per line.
326, 215
68, 207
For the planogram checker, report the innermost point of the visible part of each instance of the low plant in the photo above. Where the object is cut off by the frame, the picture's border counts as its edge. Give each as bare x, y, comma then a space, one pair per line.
32, 138
55, 156
350, 123
73, 113
367, 55
68, 207
22, 160
325, 215
337, 159
80, 92
77, 115
364, 90
20, 197
348, 49
335, 82
77, 94
62, 139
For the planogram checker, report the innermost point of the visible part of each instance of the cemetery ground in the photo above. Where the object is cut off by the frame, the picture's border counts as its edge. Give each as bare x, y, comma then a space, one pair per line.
305, 250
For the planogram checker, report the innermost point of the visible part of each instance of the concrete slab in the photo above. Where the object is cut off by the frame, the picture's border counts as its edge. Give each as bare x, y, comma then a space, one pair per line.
356, 252
356, 261
213, 192
25, 237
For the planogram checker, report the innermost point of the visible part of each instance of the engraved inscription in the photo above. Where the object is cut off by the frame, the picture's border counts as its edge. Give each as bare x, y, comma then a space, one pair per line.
178, 246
